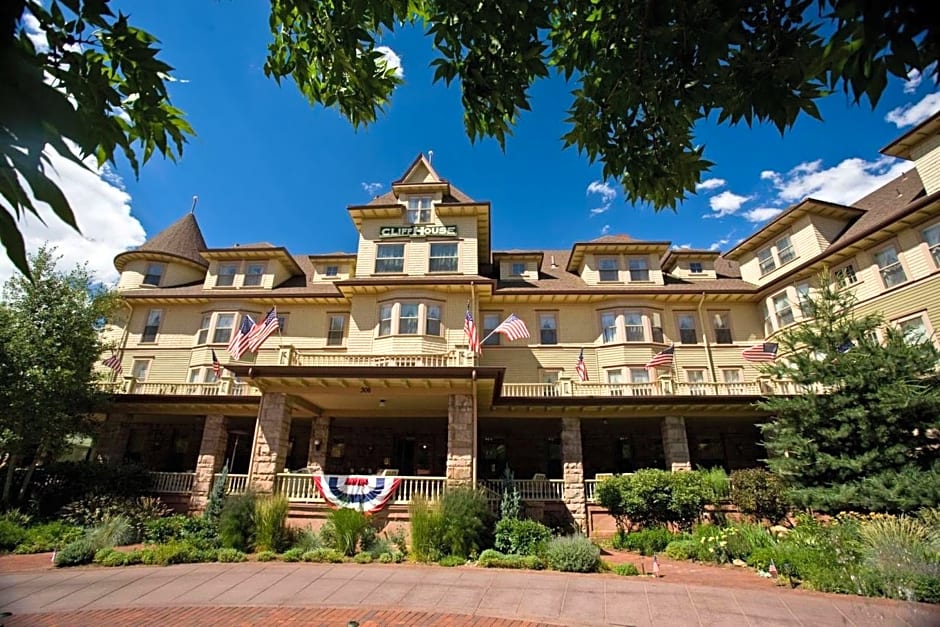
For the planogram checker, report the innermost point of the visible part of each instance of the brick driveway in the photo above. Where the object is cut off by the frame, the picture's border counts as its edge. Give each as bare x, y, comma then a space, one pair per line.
375, 594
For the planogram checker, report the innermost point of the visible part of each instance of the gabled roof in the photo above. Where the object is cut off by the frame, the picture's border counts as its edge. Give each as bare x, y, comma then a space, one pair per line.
672, 256
412, 180
181, 241
903, 145
263, 251
612, 244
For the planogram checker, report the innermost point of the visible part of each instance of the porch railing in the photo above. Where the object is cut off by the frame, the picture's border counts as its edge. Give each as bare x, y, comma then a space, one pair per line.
663, 387
444, 360
428, 488
236, 484
172, 482
531, 489
225, 387
299, 488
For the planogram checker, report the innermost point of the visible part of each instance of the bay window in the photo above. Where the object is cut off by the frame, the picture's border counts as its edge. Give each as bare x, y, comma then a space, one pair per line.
633, 325
399, 318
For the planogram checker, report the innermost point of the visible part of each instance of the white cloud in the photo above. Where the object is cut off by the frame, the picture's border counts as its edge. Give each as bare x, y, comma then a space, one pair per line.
683, 246
392, 60
761, 213
844, 183
916, 77
605, 229
606, 192
709, 184
726, 203
767, 174
103, 212
34, 33
599, 210
914, 113
372, 189
717, 245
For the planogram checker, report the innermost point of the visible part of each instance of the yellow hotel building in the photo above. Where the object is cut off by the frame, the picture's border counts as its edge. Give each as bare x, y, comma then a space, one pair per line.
372, 372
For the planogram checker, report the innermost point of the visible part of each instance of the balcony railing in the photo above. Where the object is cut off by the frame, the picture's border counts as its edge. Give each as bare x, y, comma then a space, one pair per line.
530, 489
662, 387
453, 359
224, 387
172, 482
299, 488
236, 484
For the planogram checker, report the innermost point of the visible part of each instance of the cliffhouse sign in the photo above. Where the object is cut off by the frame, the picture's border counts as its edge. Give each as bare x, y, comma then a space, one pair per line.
418, 231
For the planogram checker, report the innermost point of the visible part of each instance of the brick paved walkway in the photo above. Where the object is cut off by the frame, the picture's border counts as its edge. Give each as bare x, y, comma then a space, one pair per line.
377, 594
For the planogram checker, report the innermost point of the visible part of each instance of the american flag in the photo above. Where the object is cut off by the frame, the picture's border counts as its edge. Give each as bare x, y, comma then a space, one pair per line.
216, 366
580, 368
662, 358
239, 342
114, 362
263, 330
512, 327
470, 330
761, 353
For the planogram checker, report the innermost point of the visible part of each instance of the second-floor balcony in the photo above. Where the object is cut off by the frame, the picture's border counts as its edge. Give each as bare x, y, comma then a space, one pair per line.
662, 387
223, 387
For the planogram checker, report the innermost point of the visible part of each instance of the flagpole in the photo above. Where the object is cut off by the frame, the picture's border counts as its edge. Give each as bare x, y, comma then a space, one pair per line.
473, 392
122, 345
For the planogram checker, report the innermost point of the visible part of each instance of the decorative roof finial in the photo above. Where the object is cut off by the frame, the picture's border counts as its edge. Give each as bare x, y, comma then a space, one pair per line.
430, 155
195, 200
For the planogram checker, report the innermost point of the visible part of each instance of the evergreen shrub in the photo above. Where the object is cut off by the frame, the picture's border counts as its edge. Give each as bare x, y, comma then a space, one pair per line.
626, 570
646, 541
759, 493
574, 554
237, 523
521, 536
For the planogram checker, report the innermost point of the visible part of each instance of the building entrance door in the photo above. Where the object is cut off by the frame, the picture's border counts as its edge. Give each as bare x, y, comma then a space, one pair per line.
404, 458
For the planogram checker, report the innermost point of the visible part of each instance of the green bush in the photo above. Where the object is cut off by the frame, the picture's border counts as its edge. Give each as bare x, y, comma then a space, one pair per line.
101, 554
266, 556
344, 530
49, 537
653, 497
719, 485
230, 556
62, 483
427, 531
572, 554
294, 555
76, 553
377, 547
759, 493
645, 542
94, 509
761, 558
386, 558
491, 558
331, 556
181, 528
450, 561
11, 534
115, 558
216, 500
116, 531
521, 537
466, 517
626, 570
237, 524
397, 537
363, 558
175, 553
17, 517
681, 549
271, 523
747, 538
305, 539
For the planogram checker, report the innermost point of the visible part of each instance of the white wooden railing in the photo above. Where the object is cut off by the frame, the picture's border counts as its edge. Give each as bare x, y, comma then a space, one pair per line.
618, 389
299, 488
428, 488
531, 390
531, 489
444, 360
225, 387
719, 389
663, 387
172, 482
236, 484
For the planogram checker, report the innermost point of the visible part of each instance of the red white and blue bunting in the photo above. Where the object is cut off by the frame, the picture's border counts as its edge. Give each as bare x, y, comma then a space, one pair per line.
368, 494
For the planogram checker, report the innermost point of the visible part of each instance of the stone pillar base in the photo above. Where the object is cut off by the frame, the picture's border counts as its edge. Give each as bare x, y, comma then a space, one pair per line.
572, 460
460, 451
676, 443
270, 443
211, 453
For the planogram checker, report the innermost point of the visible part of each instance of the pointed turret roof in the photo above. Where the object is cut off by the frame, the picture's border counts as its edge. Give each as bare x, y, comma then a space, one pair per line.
181, 241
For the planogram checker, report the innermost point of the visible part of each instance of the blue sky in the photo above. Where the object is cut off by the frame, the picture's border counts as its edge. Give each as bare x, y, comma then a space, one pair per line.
267, 166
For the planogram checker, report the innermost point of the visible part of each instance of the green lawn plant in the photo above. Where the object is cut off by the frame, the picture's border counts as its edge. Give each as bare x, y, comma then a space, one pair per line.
521, 536
646, 541
237, 523
345, 530
271, 523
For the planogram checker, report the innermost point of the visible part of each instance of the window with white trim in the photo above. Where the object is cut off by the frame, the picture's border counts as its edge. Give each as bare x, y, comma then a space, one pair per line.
687, 331
695, 375
609, 327
766, 260
336, 331
202, 375
932, 237
140, 369
695, 267
548, 328
846, 275
785, 252
152, 326
889, 266
731, 375
154, 274
656, 326
203, 334
389, 258
432, 323
804, 299
615, 376
419, 210
517, 268
490, 322
254, 273
633, 326
639, 375
783, 310
443, 257
914, 329
721, 323
331, 271
385, 320
222, 332
608, 269
226, 276
639, 268
408, 319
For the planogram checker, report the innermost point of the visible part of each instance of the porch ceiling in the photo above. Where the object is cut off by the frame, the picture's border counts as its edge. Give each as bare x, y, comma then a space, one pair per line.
188, 405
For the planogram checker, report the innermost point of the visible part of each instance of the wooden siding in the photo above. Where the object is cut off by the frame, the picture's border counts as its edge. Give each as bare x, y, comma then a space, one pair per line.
926, 158
682, 269
591, 274
826, 230
173, 274
417, 251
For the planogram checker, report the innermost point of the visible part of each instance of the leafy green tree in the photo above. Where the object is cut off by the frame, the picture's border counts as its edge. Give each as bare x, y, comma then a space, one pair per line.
95, 88
864, 434
643, 74
49, 342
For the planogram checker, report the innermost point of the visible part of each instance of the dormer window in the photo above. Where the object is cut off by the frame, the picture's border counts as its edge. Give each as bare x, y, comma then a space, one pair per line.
253, 274
518, 268
639, 269
226, 277
331, 271
419, 210
695, 267
607, 268
154, 274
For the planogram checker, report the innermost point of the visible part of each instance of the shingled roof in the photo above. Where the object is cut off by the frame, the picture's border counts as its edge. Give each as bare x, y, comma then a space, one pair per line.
182, 240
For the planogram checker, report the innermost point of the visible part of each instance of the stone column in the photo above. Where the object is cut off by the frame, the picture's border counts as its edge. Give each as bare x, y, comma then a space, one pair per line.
111, 441
270, 443
316, 455
460, 439
676, 443
573, 465
210, 460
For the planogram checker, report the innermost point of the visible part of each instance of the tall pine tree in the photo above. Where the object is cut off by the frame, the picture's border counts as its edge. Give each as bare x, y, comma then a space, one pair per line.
865, 433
